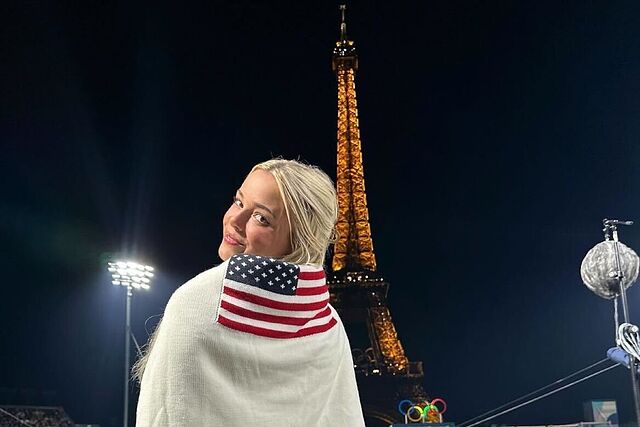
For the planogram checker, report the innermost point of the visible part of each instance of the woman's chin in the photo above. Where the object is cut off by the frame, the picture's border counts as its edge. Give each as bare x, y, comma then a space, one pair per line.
224, 253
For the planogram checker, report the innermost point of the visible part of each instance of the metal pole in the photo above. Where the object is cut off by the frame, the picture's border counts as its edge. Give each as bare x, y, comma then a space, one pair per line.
125, 421
625, 310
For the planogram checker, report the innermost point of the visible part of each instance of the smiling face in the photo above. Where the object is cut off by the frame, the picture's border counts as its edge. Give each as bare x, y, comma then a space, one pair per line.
256, 222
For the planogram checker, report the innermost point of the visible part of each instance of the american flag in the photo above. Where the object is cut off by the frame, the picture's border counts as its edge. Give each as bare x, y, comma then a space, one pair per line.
273, 298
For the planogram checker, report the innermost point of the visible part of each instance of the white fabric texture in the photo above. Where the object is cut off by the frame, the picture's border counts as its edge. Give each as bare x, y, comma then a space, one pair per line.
201, 373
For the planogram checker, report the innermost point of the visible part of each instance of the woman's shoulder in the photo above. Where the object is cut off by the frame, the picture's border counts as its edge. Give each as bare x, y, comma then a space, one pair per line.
208, 275
203, 283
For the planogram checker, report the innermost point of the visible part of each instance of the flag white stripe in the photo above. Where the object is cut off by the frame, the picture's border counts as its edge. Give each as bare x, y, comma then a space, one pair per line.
311, 283
289, 299
267, 310
310, 268
274, 326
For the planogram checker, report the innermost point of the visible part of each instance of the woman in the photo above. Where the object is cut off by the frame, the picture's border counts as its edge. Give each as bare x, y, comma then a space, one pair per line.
254, 341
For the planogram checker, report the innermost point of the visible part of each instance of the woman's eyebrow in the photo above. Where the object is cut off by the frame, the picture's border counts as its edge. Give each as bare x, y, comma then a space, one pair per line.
260, 205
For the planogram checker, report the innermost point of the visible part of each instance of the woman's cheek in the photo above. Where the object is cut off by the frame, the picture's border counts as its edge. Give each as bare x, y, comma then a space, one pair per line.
259, 238
225, 218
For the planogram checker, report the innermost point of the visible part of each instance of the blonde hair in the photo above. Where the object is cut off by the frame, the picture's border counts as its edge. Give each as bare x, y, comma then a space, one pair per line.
311, 207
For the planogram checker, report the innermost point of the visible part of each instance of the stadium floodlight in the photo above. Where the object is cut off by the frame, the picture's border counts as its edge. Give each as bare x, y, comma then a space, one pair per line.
131, 275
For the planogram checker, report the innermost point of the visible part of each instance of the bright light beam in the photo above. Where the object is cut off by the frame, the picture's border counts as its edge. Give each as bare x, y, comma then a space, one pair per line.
129, 273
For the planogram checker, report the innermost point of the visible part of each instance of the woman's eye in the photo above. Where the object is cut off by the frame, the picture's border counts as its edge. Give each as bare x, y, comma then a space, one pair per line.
261, 219
237, 202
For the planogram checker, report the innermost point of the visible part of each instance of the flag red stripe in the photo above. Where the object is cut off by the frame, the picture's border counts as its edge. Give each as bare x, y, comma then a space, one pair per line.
275, 304
276, 334
317, 290
311, 275
297, 321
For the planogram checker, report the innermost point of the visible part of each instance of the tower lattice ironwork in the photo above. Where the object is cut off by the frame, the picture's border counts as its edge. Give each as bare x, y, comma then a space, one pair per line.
359, 293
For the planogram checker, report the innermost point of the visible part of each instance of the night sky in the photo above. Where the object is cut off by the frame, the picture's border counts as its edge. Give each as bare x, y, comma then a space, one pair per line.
496, 137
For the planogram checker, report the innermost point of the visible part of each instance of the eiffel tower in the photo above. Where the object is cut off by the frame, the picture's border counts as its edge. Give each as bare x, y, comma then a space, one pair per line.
358, 291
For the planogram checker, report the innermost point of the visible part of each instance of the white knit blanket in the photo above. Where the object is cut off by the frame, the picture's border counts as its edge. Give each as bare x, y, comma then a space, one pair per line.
203, 373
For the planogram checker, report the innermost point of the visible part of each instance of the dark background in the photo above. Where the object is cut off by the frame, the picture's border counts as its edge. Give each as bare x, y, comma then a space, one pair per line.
496, 137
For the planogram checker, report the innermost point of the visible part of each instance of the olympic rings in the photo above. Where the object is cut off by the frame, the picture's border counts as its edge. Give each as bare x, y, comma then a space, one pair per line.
419, 412
444, 405
417, 409
404, 411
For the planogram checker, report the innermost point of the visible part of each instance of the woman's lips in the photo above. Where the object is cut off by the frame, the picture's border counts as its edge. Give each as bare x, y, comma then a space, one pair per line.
232, 241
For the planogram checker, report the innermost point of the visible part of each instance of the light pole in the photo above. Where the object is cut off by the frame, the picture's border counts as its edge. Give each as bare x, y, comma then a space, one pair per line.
132, 276
608, 269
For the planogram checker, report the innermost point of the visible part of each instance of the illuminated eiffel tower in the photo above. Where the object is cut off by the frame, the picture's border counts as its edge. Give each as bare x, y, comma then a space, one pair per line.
359, 293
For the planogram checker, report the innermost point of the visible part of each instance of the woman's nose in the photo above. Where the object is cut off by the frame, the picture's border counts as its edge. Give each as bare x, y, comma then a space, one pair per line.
239, 220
